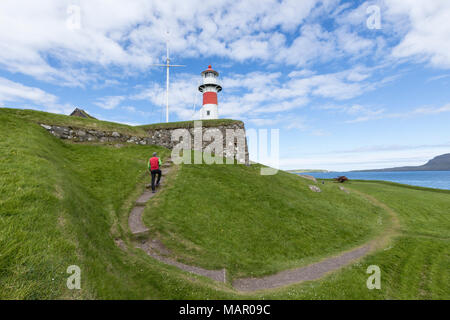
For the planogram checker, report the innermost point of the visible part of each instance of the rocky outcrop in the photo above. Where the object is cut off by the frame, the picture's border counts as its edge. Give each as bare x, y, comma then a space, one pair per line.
305, 176
315, 188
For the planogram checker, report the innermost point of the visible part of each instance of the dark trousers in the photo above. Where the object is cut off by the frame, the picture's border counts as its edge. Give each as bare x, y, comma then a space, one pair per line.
154, 173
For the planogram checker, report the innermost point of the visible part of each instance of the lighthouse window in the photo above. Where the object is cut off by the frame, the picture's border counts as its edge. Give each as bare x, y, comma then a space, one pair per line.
208, 112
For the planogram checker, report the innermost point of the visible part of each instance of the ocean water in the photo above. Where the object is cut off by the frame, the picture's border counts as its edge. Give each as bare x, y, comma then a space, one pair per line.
430, 179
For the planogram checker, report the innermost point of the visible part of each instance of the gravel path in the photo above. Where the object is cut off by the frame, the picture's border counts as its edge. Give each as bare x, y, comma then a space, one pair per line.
317, 270
157, 250
151, 248
135, 221
311, 272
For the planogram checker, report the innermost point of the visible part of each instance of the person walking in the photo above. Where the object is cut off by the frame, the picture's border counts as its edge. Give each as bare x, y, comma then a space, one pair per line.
153, 166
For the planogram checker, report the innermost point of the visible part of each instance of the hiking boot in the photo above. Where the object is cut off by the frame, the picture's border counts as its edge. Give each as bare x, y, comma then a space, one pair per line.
154, 191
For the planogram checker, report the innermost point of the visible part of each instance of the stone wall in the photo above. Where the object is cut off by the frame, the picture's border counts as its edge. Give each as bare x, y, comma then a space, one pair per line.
162, 137
231, 147
90, 135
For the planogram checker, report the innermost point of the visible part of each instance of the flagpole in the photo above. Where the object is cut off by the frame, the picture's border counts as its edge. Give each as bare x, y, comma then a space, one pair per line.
167, 82
168, 66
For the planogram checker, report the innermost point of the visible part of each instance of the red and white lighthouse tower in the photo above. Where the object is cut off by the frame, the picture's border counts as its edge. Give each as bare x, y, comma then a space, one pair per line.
209, 88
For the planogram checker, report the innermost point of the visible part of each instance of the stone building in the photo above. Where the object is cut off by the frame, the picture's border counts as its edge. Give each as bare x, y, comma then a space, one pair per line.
81, 113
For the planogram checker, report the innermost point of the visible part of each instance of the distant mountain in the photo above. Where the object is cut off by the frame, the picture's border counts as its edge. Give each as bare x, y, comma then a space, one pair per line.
306, 170
439, 163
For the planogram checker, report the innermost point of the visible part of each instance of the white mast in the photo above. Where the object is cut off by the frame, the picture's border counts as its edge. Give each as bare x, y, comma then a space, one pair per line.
168, 66
167, 82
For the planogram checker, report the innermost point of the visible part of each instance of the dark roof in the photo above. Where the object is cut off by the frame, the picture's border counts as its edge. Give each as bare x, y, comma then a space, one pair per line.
81, 113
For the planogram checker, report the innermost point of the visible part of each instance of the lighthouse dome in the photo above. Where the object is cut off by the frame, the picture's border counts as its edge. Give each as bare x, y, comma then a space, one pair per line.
210, 71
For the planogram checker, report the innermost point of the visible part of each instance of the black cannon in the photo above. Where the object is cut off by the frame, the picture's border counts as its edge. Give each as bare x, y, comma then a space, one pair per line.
341, 179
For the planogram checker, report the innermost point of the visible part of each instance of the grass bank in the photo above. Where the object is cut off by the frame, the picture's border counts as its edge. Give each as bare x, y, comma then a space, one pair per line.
35, 116
230, 216
62, 204
65, 204
189, 124
413, 266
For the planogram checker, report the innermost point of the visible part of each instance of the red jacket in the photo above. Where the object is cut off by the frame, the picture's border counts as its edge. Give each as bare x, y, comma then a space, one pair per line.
154, 163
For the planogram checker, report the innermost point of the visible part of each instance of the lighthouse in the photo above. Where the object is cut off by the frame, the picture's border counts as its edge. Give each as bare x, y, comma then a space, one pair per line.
209, 88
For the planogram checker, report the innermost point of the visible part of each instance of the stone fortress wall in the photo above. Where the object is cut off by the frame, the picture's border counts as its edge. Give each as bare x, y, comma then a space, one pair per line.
162, 137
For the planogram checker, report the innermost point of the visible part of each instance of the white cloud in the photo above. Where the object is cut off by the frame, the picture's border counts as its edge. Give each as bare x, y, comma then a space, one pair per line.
314, 44
134, 110
35, 39
341, 85
133, 34
368, 114
13, 93
365, 159
252, 95
110, 102
362, 113
265, 122
183, 95
431, 110
353, 44
301, 73
130, 108
438, 77
427, 38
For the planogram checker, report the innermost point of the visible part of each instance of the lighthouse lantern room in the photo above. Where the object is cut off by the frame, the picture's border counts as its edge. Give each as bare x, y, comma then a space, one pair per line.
209, 88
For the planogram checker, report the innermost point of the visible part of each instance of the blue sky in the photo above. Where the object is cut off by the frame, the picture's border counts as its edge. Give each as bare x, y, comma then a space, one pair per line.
345, 93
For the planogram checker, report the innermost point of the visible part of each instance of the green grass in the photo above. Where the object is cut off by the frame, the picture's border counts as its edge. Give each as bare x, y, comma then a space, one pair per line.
415, 265
78, 122
422, 211
64, 203
62, 120
411, 268
230, 216
189, 124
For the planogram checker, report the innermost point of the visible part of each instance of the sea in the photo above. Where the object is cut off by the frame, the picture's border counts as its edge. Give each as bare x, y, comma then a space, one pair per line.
429, 179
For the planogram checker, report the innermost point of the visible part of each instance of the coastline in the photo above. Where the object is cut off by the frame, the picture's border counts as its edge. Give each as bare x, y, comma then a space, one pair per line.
427, 179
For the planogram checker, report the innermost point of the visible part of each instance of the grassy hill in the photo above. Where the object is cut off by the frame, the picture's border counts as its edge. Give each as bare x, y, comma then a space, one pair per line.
37, 117
65, 204
231, 216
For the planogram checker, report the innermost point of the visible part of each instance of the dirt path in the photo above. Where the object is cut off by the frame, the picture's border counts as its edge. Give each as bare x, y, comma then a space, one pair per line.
318, 270
310, 272
153, 246
156, 249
